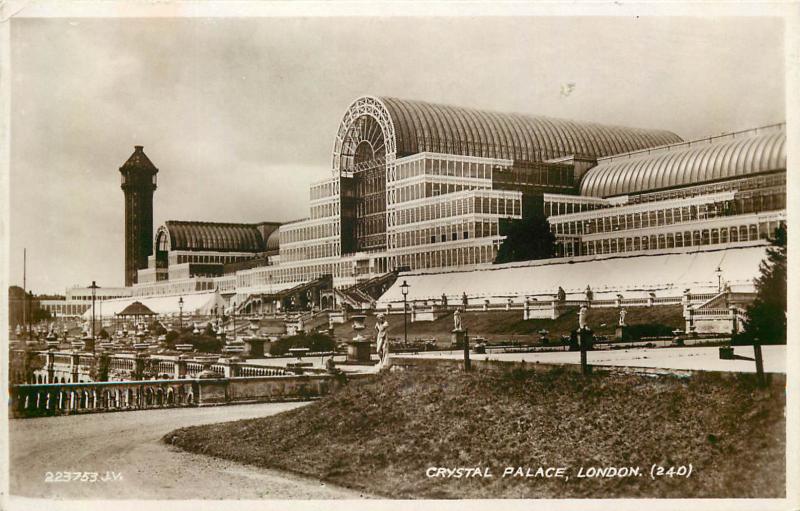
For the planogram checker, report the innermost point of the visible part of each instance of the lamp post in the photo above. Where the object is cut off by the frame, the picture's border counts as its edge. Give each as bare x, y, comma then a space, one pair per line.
93, 287
180, 312
718, 271
404, 289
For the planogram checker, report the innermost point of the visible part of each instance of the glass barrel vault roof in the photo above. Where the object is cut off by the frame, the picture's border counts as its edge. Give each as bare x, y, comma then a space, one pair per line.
421, 126
688, 164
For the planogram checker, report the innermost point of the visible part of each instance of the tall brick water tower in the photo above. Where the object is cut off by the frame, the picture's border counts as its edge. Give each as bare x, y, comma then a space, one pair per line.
138, 184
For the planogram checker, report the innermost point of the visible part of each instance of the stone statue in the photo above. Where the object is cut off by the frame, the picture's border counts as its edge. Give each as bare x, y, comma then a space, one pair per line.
622, 314
464, 300
584, 310
444, 300
562, 295
382, 329
589, 293
457, 319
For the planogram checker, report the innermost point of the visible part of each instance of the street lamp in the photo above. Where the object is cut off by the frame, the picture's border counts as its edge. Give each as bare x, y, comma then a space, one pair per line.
93, 287
719, 279
180, 312
404, 289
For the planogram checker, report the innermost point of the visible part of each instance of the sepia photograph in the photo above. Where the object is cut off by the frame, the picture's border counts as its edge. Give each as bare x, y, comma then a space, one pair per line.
454, 253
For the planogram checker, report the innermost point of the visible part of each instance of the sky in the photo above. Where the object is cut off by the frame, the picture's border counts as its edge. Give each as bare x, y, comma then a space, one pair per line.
240, 115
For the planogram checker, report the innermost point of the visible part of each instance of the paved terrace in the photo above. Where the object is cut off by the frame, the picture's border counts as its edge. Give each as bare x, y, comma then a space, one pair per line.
691, 359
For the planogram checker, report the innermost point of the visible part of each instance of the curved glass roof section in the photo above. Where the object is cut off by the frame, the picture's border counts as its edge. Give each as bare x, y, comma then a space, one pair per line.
212, 236
273, 240
421, 126
695, 162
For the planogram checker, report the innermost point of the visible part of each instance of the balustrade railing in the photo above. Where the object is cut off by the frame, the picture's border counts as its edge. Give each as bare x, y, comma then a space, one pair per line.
73, 398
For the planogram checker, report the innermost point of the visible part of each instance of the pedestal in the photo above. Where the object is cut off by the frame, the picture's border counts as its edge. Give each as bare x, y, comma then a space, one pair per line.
88, 344
254, 347
622, 333
358, 351
585, 338
457, 338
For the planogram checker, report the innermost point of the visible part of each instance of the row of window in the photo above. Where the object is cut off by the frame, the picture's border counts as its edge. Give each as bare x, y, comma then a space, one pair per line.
315, 251
428, 189
370, 225
170, 288
642, 219
309, 232
443, 233
214, 259
276, 275
552, 208
325, 210
65, 309
697, 237
502, 206
88, 298
750, 183
666, 216
447, 257
444, 167
371, 204
324, 189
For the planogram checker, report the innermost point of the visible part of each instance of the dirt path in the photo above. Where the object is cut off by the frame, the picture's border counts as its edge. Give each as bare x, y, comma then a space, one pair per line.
129, 443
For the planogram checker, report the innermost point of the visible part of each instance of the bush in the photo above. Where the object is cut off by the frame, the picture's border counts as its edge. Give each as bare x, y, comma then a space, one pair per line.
200, 342
314, 342
157, 328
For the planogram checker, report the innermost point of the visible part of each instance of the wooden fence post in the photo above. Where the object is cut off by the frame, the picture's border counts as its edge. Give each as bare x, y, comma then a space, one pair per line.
467, 364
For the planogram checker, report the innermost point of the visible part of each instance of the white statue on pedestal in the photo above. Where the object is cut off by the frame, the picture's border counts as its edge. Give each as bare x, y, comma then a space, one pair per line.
622, 314
457, 320
382, 329
582, 317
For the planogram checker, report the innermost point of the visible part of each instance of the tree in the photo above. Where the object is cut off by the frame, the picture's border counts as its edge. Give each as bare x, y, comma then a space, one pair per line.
157, 328
526, 239
40, 315
766, 316
200, 342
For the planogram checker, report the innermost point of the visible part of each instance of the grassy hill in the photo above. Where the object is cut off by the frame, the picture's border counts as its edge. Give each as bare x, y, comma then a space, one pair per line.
502, 325
381, 435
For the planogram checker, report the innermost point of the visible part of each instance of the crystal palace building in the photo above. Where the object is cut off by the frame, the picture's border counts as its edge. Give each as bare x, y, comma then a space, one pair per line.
424, 187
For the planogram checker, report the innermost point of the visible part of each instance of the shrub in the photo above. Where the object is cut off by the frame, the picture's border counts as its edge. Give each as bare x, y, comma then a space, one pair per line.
200, 342
314, 342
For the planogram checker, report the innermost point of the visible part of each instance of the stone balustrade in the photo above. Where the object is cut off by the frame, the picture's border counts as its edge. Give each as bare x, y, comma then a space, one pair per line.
79, 367
72, 398
39, 400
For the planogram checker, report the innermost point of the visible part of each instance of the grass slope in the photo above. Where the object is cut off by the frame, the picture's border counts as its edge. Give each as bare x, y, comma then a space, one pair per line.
502, 325
381, 435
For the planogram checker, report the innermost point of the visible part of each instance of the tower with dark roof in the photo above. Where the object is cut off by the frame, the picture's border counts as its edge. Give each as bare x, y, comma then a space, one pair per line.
138, 185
